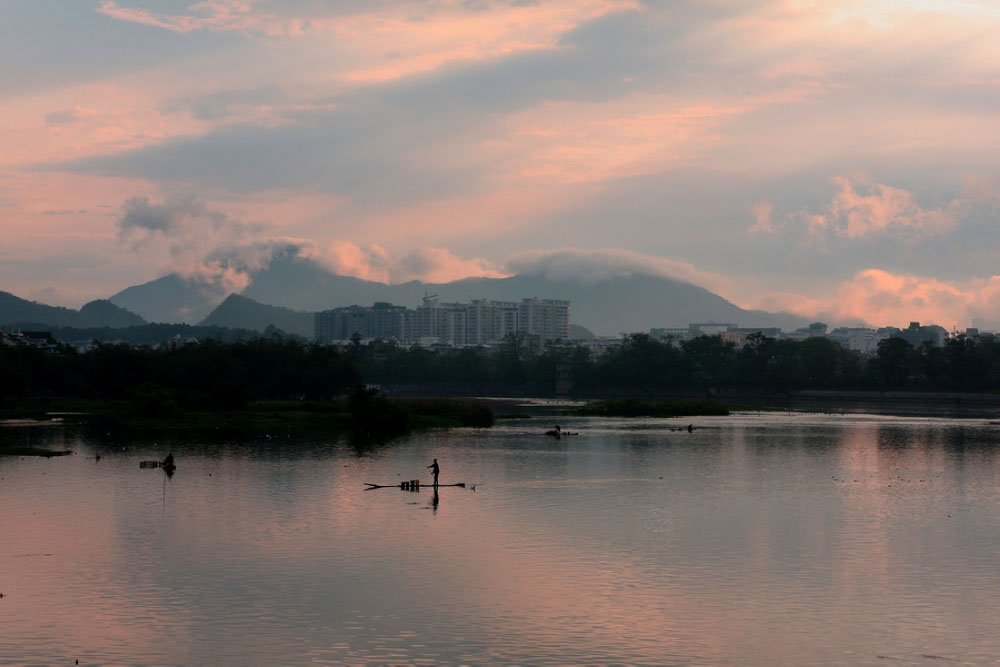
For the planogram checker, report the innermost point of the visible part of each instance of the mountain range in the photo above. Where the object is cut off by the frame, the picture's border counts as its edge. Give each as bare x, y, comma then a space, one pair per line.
18, 312
288, 293
298, 287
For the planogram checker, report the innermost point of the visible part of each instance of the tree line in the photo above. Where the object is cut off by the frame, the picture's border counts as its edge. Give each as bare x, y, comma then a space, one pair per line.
646, 363
206, 375
226, 375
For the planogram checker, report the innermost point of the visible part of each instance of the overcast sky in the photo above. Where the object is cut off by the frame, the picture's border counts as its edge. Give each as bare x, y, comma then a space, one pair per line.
830, 158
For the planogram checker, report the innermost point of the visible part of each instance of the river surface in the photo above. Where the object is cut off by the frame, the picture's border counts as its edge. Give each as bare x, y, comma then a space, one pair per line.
754, 539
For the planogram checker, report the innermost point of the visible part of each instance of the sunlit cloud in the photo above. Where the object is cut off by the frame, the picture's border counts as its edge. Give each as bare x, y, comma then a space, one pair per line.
861, 208
762, 218
884, 209
372, 262
215, 15
69, 116
440, 265
881, 298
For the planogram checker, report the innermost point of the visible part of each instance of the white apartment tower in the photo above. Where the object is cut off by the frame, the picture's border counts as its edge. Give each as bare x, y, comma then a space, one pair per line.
546, 318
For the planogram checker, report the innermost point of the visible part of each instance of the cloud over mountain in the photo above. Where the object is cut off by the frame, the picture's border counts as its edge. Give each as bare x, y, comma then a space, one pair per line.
592, 266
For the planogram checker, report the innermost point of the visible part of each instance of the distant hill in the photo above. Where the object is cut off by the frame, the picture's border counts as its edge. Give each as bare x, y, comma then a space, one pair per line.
580, 332
607, 307
102, 313
240, 312
170, 299
15, 310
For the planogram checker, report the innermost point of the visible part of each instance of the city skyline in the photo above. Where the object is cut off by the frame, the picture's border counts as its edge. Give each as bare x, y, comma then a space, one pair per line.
835, 160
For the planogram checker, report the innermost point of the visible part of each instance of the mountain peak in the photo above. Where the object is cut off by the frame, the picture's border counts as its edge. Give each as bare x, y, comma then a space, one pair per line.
241, 312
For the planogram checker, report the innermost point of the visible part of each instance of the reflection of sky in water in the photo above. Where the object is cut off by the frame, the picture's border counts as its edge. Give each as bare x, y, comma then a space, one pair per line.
788, 538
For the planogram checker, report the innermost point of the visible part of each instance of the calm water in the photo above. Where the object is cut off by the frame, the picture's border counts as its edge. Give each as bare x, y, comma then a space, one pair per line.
755, 539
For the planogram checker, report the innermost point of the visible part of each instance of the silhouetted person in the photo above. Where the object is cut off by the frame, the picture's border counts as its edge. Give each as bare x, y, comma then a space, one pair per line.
435, 470
167, 462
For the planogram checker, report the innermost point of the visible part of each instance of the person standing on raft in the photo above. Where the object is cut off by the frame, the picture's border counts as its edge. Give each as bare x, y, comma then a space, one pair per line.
435, 470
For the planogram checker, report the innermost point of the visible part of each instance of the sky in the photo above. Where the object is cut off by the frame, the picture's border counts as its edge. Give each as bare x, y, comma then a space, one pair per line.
834, 159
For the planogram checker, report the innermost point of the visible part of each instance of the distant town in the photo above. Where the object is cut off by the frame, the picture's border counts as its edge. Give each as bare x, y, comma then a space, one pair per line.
486, 324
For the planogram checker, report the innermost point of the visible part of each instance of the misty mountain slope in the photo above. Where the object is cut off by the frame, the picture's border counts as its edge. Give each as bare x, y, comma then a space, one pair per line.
608, 307
302, 284
240, 312
627, 303
171, 299
17, 311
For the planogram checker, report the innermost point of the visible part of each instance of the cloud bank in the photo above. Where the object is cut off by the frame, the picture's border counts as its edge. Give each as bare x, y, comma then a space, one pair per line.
880, 298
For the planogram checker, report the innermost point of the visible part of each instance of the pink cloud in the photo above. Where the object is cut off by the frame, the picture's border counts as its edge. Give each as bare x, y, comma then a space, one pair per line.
762, 218
348, 259
388, 42
571, 142
215, 15
885, 209
440, 265
882, 298
859, 210
372, 262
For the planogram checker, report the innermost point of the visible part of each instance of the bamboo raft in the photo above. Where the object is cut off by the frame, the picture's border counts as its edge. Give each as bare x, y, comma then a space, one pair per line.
157, 464
409, 485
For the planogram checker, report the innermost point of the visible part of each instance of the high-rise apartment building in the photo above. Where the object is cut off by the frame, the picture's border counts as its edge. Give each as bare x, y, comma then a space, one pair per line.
480, 322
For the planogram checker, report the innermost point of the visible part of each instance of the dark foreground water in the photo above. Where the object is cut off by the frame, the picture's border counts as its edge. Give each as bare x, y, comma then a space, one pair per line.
756, 539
